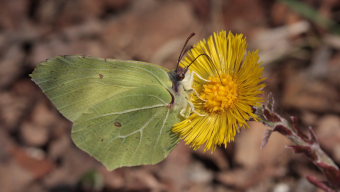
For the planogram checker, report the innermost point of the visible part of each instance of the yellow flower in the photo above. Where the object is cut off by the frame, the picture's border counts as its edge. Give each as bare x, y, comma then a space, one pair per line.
228, 83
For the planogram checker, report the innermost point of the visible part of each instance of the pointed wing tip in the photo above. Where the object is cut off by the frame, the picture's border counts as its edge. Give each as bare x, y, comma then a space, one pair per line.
47, 61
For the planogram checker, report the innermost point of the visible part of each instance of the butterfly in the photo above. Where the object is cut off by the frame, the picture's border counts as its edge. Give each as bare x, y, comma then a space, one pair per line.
122, 111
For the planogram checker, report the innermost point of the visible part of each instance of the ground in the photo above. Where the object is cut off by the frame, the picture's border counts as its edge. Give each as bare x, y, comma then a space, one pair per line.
299, 49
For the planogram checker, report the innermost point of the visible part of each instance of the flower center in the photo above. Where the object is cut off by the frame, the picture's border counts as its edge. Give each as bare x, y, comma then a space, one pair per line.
219, 94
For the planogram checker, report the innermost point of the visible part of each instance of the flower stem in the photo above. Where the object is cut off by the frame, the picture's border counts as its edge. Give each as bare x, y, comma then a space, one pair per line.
307, 145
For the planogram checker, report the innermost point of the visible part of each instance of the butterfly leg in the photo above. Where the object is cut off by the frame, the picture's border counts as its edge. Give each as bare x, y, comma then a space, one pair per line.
200, 77
194, 110
185, 112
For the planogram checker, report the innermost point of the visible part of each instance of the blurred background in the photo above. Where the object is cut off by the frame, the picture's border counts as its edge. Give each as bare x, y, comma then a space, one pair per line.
300, 48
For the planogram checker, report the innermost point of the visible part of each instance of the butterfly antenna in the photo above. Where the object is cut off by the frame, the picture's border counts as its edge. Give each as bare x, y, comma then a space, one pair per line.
210, 61
203, 54
184, 50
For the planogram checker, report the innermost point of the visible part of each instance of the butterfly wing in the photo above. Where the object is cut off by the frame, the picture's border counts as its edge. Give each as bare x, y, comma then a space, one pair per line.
121, 110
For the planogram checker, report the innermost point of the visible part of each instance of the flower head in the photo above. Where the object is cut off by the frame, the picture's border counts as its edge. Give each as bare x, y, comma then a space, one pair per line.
228, 83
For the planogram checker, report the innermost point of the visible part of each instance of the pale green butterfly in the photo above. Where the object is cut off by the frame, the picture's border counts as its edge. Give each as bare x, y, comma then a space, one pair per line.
122, 111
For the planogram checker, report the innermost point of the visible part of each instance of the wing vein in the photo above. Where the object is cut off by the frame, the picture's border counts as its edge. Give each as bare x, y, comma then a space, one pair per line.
160, 133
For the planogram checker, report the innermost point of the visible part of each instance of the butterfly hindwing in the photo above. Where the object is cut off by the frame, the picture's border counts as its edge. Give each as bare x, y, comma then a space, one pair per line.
137, 134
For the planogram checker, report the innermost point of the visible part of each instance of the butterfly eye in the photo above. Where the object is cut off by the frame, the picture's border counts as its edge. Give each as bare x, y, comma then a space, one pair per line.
181, 76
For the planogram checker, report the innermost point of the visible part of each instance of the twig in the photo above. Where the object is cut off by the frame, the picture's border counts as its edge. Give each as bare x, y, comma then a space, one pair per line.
307, 145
